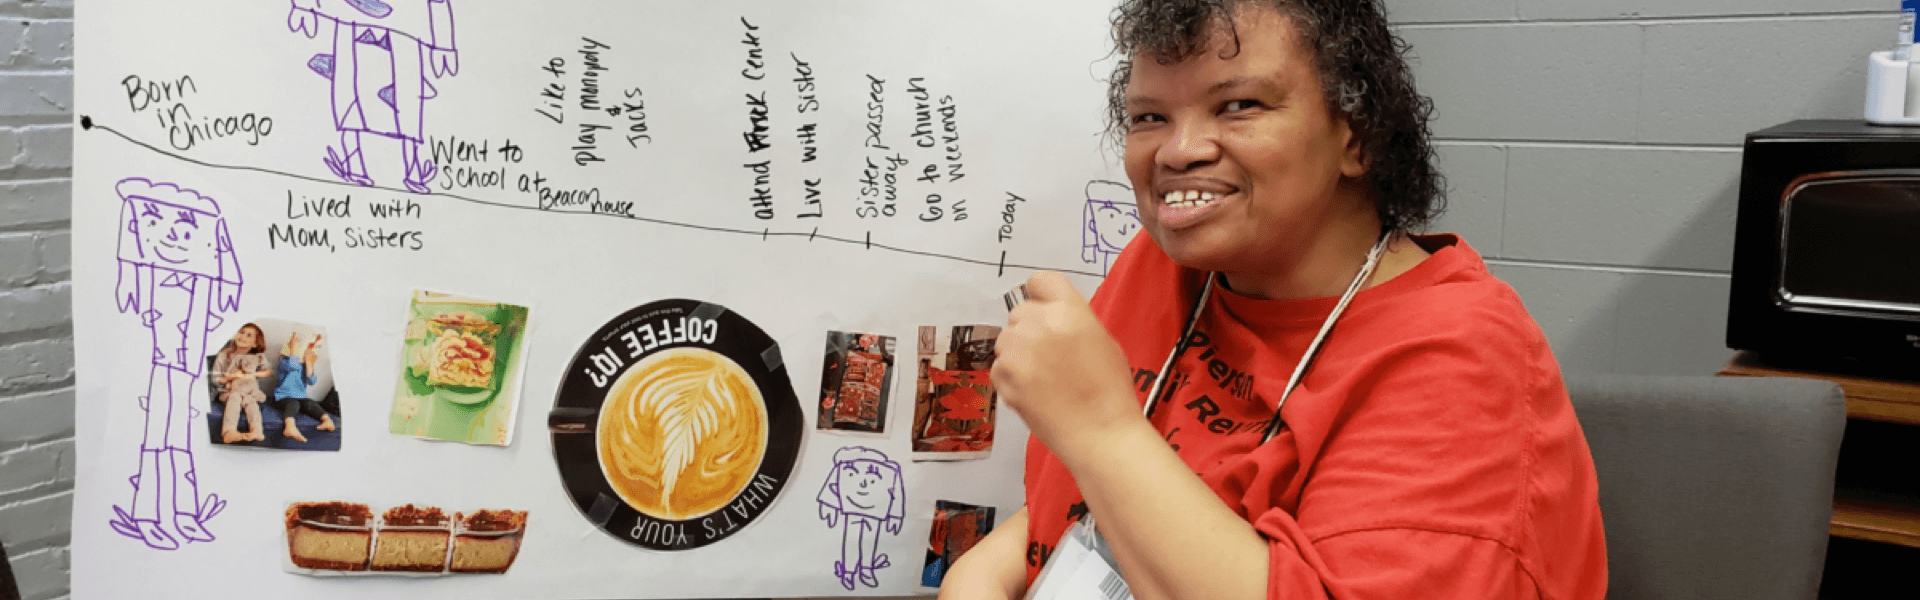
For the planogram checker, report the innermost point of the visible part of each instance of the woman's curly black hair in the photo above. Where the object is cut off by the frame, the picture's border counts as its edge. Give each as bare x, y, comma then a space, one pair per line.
1361, 65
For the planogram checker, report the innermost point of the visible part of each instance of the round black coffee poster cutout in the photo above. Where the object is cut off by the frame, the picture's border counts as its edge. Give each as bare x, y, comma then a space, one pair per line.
676, 425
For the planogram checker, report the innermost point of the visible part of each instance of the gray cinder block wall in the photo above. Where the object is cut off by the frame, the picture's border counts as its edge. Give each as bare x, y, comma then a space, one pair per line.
1593, 149
36, 314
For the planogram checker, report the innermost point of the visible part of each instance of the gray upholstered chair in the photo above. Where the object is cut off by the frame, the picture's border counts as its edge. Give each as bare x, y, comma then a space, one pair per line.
1713, 487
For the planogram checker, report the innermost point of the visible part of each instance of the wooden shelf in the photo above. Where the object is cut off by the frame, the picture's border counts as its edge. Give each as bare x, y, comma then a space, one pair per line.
1870, 399
1867, 398
1873, 521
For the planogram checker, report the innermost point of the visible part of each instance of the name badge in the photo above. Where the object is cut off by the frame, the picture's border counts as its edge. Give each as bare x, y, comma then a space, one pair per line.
1081, 568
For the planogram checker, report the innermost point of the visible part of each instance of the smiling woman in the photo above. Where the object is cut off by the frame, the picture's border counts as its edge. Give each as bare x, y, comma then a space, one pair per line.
1423, 448
1242, 168
1237, 162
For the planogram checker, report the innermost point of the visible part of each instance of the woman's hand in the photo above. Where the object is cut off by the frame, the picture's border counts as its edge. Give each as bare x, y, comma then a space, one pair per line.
995, 568
1060, 369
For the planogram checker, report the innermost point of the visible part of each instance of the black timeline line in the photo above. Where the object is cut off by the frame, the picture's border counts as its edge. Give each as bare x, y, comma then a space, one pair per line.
86, 123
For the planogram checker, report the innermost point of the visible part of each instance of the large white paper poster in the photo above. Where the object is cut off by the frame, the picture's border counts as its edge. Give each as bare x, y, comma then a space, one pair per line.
568, 299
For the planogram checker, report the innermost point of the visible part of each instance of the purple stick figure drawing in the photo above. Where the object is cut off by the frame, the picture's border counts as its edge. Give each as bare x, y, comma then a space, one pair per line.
177, 272
381, 53
1110, 222
867, 492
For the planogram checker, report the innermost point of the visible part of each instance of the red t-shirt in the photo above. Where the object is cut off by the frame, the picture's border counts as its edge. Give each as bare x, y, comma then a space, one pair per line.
1430, 451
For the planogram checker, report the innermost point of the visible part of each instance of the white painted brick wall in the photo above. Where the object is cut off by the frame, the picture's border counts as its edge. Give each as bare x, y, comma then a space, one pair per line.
1526, 82
1622, 205
1477, 201
36, 321
1592, 148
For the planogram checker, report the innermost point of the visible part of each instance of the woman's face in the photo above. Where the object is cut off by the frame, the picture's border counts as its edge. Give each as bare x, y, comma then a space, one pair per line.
1234, 155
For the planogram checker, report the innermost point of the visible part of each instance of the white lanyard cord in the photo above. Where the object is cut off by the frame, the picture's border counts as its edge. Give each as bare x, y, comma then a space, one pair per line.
1299, 371
1313, 349
1193, 321
1179, 346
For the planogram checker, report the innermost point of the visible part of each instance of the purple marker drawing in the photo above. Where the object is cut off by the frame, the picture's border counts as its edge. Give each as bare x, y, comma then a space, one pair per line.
178, 273
378, 68
1110, 222
867, 491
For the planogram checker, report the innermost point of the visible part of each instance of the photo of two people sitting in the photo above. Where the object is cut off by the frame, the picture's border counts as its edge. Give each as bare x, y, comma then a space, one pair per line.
274, 398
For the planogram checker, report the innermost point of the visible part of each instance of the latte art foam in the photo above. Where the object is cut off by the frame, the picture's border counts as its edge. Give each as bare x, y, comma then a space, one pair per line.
681, 433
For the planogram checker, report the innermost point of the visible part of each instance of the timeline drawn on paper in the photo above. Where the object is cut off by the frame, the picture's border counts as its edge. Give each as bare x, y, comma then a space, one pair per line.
382, 58
813, 235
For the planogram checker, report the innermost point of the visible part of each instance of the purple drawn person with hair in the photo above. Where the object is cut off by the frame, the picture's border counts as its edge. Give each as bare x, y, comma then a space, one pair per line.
381, 53
1110, 222
177, 272
867, 491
